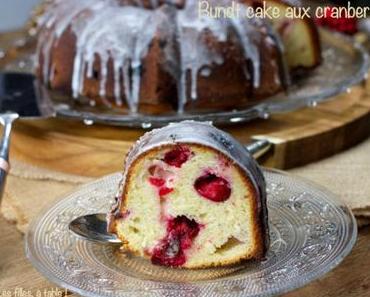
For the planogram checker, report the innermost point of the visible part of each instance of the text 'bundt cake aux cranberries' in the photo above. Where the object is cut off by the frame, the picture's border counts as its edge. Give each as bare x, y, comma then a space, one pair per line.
191, 196
159, 56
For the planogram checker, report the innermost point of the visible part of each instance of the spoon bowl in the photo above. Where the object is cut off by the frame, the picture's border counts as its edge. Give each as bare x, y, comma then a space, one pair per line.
93, 228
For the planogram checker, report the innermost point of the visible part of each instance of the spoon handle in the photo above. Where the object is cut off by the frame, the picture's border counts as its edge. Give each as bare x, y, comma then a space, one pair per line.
258, 147
7, 121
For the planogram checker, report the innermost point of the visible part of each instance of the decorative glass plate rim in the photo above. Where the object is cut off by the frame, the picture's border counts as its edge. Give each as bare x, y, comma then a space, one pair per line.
272, 105
298, 282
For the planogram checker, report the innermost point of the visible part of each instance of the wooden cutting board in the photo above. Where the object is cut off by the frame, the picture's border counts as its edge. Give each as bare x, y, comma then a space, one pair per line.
298, 137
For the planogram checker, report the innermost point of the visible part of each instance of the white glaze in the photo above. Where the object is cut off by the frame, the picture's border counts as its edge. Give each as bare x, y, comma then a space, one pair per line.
123, 34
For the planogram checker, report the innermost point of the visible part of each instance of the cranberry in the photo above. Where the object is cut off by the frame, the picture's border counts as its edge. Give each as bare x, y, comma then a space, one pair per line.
164, 191
168, 253
213, 187
342, 24
177, 156
157, 182
181, 232
160, 184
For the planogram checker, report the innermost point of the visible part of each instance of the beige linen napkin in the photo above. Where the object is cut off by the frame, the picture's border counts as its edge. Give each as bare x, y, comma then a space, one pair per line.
348, 175
30, 188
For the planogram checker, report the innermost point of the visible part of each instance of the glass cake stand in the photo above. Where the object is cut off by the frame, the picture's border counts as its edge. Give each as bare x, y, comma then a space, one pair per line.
345, 63
310, 231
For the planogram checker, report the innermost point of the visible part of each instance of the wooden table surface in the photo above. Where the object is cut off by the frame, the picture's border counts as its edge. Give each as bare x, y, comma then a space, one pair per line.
350, 279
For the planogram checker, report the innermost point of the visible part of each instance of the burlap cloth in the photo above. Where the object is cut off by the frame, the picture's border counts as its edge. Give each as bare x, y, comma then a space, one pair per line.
30, 188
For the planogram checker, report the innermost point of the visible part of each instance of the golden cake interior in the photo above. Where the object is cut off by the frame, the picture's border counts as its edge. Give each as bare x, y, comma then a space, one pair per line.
171, 214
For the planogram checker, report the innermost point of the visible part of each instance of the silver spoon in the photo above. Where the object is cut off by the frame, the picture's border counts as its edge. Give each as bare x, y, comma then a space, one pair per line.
93, 227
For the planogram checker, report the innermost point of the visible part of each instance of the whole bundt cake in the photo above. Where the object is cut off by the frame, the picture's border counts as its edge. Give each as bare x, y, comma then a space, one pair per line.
192, 197
163, 55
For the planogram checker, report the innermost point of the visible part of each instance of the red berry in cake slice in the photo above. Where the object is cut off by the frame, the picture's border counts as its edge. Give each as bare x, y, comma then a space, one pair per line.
184, 228
206, 212
157, 182
165, 191
181, 233
177, 156
160, 178
157, 171
213, 187
168, 253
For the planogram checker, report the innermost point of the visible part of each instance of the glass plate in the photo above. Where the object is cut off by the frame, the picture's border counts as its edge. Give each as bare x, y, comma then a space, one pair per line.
345, 63
311, 233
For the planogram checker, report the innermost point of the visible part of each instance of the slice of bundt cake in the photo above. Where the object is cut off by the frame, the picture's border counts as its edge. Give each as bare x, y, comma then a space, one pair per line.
299, 35
193, 197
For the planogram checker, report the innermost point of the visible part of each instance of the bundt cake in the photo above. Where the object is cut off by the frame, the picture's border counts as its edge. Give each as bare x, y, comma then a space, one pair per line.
192, 197
163, 55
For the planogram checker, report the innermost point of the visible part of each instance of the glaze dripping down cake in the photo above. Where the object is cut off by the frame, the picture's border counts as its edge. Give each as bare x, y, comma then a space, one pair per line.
192, 197
160, 56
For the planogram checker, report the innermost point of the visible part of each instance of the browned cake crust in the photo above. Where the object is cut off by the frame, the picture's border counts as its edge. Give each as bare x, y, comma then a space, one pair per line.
226, 88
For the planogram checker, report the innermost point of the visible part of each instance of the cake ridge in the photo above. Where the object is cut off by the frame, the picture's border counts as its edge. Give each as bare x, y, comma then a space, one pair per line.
127, 37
